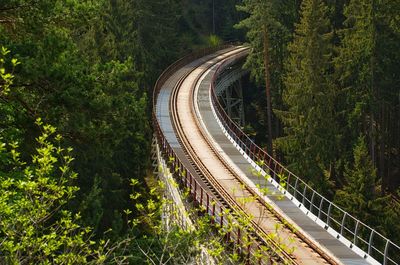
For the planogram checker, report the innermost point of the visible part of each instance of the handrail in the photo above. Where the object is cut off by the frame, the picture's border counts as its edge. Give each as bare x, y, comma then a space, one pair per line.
220, 215
178, 64
354, 233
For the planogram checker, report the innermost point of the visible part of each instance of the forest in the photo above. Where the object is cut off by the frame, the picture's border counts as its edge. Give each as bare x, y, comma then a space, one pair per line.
76, 80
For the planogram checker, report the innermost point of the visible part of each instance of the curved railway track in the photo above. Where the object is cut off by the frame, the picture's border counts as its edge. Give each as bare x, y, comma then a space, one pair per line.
188, 127
211, 157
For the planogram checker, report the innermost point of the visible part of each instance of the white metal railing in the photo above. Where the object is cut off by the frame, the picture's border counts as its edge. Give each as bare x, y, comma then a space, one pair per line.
203, 199
363, 239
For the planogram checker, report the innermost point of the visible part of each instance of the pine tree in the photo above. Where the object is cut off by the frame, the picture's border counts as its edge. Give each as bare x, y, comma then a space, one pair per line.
311, 133
367, 71
268, 36
360, 196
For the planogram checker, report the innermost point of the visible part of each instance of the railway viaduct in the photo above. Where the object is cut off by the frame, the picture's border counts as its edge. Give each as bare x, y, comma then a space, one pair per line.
200, 145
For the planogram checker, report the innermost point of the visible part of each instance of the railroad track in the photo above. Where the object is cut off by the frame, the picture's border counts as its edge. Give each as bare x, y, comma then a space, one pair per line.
220, 192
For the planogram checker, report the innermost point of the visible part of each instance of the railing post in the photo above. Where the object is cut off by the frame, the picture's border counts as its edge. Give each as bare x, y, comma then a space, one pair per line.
288, 182
251, 151
295, 186
222, 216
355, 232
342, 225
312, 200
370, 241
187, 180
385, 257
190, 183
320, 207
328, 218
248, 249
213, 212
208, 203
304, 194
201, 196
194, 192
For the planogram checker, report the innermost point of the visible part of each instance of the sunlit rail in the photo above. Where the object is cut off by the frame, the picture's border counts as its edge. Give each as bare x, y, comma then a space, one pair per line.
362, 239
358, 236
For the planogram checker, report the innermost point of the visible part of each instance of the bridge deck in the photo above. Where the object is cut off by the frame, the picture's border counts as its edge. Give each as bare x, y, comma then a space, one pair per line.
238, 163
163, 113
236, 159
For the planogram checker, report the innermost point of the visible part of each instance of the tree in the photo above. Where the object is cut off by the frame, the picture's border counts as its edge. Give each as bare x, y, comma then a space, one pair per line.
311, 130
261, 16
268, 35
95, 101
35, 226
366, 71
360, 196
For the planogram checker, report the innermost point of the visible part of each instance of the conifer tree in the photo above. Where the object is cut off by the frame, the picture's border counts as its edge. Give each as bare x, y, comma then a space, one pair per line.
309, 144
268, 36
367, 70
360, 196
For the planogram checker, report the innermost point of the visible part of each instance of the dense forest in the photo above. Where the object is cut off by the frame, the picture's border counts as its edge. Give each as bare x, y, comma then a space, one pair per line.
330, 71
75, 114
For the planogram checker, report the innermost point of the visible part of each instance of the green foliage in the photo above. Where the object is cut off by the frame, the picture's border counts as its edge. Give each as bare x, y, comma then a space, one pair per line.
340, 81
360, 195
87, 67
366, 72
6, 77
190, 235
35, 226
6, 110
260, 14
214, 40
200, 19
96, 101
161, 243
268, 27
146, 31
310, 97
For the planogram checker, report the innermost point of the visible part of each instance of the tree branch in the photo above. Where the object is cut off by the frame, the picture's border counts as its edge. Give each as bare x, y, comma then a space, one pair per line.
3, 9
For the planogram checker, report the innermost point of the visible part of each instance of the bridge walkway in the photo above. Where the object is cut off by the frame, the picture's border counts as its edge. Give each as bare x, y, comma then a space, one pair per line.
238, 162
244, 168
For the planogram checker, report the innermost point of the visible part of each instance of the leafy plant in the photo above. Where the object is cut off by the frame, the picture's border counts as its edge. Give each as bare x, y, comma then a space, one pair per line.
35, 225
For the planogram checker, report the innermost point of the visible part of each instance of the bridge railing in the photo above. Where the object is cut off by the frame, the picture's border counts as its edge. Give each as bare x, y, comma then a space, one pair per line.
355, 234
241, 239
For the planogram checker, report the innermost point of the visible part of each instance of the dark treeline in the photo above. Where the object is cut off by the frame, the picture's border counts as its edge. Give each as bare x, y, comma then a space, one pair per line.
332, 70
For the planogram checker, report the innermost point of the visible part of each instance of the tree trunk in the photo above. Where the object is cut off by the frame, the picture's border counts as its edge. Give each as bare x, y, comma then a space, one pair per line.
383, 143
268, 89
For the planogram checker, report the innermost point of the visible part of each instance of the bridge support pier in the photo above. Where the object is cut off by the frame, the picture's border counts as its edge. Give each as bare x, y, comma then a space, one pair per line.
232, 101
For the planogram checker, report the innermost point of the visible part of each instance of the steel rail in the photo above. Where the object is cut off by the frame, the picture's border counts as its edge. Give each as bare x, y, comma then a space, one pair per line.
232, 203
168, 152
276, 213
349, 227
346, 226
